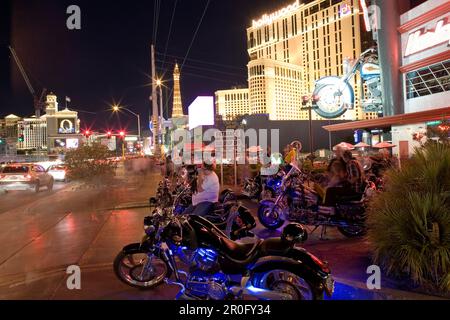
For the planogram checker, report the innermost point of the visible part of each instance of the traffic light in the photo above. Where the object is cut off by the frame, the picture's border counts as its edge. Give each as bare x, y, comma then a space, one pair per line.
21, 138
2, 141
87, 133
109, 134
122, 134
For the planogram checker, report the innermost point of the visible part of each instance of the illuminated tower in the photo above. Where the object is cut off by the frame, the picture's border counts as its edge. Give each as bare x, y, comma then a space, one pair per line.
177, 110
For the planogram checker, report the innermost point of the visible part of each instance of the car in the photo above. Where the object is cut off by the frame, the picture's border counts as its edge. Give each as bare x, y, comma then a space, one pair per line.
25, 176
58, 172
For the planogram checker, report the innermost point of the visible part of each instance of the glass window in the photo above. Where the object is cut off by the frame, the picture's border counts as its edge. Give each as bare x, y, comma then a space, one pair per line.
428, 80
15, 169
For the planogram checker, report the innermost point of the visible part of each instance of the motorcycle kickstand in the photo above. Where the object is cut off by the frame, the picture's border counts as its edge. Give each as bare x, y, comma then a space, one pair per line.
323, 233
315, 228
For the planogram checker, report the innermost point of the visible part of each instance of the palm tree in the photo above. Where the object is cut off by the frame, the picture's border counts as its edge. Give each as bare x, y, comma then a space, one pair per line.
409, 223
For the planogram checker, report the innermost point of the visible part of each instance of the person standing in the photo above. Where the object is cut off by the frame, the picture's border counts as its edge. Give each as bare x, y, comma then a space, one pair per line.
169, 167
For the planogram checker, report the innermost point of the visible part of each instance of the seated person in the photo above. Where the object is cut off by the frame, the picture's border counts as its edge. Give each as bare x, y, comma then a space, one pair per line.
355, 174
349, 181
337, 180
207, 193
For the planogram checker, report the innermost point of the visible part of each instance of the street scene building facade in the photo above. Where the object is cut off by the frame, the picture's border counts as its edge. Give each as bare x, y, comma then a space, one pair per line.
232, 103
294, 47
424, 73
51, 133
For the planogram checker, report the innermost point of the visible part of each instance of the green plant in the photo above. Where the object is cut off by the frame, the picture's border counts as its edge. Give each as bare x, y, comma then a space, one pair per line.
409, 223
90, 163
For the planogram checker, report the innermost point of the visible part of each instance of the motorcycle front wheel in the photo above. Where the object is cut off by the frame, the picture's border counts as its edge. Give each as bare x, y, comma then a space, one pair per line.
140, 270
270, 216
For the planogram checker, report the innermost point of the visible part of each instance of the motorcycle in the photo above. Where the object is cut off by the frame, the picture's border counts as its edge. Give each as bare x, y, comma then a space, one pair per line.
219, 268
227, 214
301, 204
263, 187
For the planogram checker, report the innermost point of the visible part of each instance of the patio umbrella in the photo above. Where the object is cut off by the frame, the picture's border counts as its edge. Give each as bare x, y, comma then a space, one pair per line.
362, 145
254, 149
344, 146
384, 145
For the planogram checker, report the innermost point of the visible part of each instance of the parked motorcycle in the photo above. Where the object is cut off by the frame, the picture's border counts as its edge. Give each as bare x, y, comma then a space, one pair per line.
228, 215
219, 268
263, 187
301, 204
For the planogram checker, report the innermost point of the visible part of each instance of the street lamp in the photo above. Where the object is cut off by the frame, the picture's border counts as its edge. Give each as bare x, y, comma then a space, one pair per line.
117, 108
159, 85
310, 103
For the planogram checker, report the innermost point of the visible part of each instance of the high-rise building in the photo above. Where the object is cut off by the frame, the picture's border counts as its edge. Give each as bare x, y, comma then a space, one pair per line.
275, 88
312, 39
177, 110
232, 103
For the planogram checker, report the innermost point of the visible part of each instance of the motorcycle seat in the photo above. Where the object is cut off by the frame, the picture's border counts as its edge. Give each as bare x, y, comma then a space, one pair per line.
240, 251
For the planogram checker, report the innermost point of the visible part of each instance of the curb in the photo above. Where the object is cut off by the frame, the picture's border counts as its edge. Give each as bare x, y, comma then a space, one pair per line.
387, 293
128, 206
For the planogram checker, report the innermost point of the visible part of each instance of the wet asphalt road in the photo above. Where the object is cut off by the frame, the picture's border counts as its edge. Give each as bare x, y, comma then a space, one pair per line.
42, 234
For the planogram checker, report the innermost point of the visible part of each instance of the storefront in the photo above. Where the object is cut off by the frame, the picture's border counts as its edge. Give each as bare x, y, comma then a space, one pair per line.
425, 49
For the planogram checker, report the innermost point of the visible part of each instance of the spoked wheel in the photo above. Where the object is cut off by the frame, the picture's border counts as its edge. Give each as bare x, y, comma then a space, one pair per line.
353, 231
270, 216
140, 270
290, 285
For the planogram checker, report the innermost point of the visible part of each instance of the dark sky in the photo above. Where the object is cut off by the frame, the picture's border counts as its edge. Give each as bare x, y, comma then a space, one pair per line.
109, 58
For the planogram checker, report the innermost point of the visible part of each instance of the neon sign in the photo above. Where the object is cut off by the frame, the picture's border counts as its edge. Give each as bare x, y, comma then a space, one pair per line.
268, 19
424, 39
345, 10
366, 15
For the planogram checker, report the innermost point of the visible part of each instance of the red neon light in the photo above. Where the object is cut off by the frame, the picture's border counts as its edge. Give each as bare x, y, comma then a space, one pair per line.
366, 15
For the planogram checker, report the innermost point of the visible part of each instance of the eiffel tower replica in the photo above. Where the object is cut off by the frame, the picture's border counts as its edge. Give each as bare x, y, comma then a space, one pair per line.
177, 110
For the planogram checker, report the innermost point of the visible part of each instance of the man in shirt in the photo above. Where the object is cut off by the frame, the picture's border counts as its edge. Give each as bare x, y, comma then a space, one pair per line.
208, 188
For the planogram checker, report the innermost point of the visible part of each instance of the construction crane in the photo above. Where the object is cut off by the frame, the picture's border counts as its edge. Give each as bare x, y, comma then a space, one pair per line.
38, 101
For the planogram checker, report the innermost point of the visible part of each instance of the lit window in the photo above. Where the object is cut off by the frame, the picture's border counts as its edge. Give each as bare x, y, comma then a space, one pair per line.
429, 80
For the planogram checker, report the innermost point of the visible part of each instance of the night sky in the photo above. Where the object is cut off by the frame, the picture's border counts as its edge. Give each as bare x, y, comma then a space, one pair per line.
108, 60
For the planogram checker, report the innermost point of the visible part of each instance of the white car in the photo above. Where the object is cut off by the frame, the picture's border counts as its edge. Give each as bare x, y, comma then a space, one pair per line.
25, 177
58, 172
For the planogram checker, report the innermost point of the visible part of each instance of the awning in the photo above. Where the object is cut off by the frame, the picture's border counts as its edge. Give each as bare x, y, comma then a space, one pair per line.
387, 122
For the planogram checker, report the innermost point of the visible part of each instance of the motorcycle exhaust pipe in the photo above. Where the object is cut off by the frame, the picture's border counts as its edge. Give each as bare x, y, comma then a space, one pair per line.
260, 294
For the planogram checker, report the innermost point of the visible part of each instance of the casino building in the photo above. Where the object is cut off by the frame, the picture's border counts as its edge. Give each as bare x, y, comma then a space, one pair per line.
232, 103
292, 48
53, 132
423, 38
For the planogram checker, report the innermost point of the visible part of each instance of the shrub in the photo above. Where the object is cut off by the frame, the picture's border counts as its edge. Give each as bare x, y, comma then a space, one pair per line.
409, 223
90, 163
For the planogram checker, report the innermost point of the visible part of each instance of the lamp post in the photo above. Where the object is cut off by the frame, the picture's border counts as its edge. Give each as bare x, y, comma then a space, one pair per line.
161, 115
310, 103
117, 108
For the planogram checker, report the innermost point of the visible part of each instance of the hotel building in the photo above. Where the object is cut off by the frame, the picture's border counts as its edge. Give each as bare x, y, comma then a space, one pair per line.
56, 130
294, 47
424, 74
307, 41
232, 103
